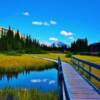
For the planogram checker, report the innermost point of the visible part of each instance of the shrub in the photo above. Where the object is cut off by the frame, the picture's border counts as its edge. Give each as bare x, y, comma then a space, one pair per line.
98, 54
84, 53
68, 54
13, 53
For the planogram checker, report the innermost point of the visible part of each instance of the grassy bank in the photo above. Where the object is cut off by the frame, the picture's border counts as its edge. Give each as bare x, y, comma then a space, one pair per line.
20, 63
23, 94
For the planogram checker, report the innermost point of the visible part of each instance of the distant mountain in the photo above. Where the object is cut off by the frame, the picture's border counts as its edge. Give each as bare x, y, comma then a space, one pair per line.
5, 30
58, 44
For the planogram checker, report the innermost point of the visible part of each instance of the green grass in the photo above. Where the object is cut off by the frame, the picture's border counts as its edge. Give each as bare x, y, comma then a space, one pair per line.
23, 62
24, 94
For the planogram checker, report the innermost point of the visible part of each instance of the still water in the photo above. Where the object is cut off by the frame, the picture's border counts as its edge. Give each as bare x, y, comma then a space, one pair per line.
45, 80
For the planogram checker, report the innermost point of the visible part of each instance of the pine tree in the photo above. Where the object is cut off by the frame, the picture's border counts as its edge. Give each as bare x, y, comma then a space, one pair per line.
10, 39
17, 41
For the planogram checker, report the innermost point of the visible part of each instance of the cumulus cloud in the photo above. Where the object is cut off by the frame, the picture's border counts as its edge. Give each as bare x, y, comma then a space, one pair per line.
45, 23
37, 23
51, 82
40, 23
53, 22
65, 33
39, 80
72, 38
45, 42
45, 80
36, 81
53, 39
26, 13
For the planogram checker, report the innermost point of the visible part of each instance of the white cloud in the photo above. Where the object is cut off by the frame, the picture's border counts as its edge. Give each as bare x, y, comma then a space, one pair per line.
45, 80
45, 23
53, 39
39, 80
36, 81
26, 13
37, 23
51, 82
71, 38
53, 22
65, 33
40, 23
46, 43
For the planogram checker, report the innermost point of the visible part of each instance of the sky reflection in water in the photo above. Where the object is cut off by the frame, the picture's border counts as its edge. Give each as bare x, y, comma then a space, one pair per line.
43, 80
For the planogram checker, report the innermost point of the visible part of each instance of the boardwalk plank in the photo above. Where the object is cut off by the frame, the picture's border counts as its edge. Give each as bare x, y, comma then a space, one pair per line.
78, 88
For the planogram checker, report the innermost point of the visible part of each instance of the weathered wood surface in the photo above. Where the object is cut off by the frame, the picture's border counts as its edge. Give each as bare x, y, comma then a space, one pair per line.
77, 87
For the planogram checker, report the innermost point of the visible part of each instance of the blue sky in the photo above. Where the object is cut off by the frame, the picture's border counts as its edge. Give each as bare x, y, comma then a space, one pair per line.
53, 20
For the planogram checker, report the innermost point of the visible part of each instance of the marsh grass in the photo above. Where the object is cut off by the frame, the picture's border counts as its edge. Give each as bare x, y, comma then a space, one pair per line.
54, 56
24, 94
14, 64
93, 59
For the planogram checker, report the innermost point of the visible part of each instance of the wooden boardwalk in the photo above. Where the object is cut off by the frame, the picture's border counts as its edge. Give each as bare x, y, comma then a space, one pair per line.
78, 88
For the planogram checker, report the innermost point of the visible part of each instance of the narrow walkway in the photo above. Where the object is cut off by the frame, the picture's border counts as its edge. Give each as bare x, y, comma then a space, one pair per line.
78, 88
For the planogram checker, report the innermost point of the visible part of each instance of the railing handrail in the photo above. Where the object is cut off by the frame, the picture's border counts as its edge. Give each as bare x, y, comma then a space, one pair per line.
97, 66
90, 74
94, 76
62, 82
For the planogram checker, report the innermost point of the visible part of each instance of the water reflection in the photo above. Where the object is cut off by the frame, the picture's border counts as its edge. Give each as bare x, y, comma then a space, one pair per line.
44, 80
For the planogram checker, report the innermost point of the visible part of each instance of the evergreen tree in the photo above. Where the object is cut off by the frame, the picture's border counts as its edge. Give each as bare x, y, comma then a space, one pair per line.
81, 45
10, 39
17, 42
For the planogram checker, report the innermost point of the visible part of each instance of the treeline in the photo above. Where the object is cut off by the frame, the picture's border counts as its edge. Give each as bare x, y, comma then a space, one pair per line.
80, 45
54, 49
10, 41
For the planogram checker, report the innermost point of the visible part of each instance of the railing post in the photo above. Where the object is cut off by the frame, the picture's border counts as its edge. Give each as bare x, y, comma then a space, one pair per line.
78, 65
60, 80
82, 72
90, 72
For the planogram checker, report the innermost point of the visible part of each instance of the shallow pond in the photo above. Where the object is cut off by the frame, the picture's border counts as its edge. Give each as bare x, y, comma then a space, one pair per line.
45, 80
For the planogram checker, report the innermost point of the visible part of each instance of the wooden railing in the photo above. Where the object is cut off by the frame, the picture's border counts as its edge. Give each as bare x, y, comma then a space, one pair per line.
78, 66
62, 88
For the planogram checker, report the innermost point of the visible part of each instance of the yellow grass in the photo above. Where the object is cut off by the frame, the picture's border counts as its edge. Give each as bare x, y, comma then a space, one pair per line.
92, 59
54, 56
7, 61
95, 71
